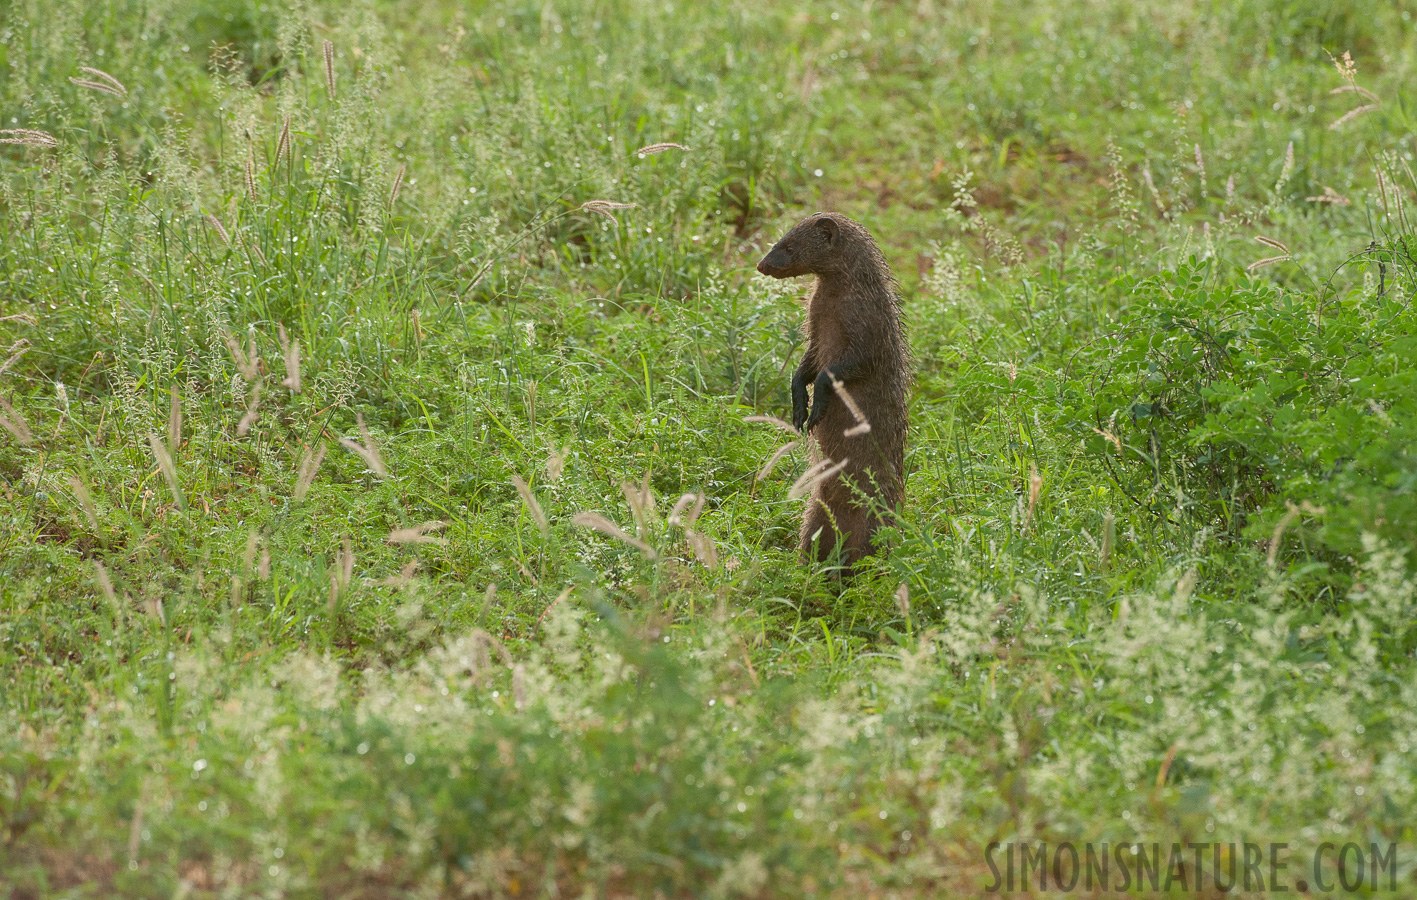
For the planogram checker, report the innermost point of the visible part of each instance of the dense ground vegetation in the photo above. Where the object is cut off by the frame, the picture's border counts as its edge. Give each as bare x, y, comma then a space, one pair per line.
379, 513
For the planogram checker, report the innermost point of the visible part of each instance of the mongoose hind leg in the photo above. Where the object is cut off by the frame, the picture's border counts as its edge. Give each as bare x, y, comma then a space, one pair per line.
848, 526
818, 529
859, 529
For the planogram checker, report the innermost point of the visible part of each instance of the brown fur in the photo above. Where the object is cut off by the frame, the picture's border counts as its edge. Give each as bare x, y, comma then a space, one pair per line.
854, 332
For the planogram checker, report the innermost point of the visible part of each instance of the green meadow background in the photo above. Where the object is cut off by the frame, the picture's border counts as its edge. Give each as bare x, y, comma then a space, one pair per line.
380, 514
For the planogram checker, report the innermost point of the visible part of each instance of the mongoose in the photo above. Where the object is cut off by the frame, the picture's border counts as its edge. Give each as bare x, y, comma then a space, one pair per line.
854, 334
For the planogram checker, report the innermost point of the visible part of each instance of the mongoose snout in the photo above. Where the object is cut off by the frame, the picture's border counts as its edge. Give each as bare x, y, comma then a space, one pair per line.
779, 262
857, 363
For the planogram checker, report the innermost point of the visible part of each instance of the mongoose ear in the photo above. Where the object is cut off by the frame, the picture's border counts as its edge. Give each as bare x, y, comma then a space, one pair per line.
828, 227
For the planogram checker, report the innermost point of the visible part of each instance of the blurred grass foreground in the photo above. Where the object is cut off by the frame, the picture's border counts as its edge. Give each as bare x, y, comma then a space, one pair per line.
379, 516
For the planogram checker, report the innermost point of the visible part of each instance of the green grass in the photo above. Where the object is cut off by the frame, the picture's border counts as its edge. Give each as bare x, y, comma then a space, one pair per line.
1153, 578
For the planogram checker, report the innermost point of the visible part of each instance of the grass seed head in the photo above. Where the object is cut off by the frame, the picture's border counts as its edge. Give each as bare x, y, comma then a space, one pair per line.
250, 167
174, 420
342, 574
404, 576
248, 557
398, 184
532, 506
814, 476
1355, 89
291, 351
253, 412
220, 229
863, 425
85, 498
419, 534
597, 522
1286, 169
694, 511
248, 360
13, 422
641, 503
153, 604
556, 464
18, 348
1258, 264
776, 458
255, 250
651, 149
106, 83
676, 513
772, 420
329, 50
1264, 263
283, 142
96, 86
113, 83
1035, 486
168, 469
105, 584
309, 465
606, 208
28, 137
1351, 115
705, 551
366, 449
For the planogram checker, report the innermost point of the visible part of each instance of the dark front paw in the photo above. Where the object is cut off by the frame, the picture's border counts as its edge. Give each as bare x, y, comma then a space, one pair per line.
821, 395
799, 408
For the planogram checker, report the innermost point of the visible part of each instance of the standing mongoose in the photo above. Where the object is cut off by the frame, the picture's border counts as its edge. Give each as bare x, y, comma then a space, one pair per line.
855, 338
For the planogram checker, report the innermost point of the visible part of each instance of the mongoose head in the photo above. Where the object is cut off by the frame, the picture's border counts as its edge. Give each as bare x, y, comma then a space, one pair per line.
810, 248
